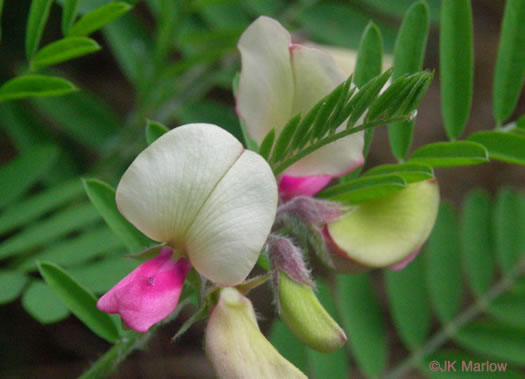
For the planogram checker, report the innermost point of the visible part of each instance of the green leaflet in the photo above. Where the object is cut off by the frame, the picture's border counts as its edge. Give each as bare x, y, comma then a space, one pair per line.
122, 33
496, 341
450, 154
103, 198
510, 64
443, 265
86, 246
288, 345
506, 147
97, 18
476, 241
21, 173
456, 64
365, 188
84, 117
212, 112
43, 304
409, 53
363, 322
101, 276
24, 211
79, 301
411, 173
58, 225
409, 303
369, 64
69, 13
341, 24
154, 130
12, 284
370, 55
36, 21
506, 228
64, 50
35, 86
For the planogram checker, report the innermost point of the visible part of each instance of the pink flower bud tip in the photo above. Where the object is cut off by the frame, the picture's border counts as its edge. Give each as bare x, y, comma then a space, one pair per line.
149, 293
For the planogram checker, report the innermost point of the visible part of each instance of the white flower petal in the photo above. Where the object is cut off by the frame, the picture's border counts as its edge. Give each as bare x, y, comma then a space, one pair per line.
316, 75
265, 93
164, 188
225, 239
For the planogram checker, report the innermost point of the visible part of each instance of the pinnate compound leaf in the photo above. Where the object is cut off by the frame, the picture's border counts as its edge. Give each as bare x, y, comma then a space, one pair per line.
36, 21
35, 86
102, 195
79, 300
506, 147
456, 64
99, 17
510, 64
64, 50
450, 154
443, 265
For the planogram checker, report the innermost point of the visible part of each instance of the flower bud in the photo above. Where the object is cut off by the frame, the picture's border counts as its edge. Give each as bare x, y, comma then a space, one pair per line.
235, 345
306, 317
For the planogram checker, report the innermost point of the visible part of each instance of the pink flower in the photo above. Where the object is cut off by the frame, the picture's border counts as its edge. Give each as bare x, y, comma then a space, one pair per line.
198, 191
149, 293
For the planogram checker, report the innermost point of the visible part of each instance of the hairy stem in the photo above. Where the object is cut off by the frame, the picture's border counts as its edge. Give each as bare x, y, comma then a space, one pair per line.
450, 329
332, 138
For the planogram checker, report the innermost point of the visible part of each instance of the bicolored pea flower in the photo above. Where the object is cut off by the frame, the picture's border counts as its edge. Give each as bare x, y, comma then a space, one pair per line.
280, 79
210, 201
384, 232
235, 345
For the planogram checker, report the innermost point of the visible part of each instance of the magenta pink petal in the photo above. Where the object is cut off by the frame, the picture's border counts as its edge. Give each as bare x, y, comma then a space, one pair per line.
291, 186
149, 293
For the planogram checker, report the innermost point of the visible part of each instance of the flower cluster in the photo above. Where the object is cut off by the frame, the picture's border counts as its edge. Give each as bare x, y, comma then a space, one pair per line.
212, 206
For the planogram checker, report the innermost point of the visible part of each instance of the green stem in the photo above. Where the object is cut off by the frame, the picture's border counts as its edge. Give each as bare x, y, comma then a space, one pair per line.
325, 141
106, 364
450, 329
